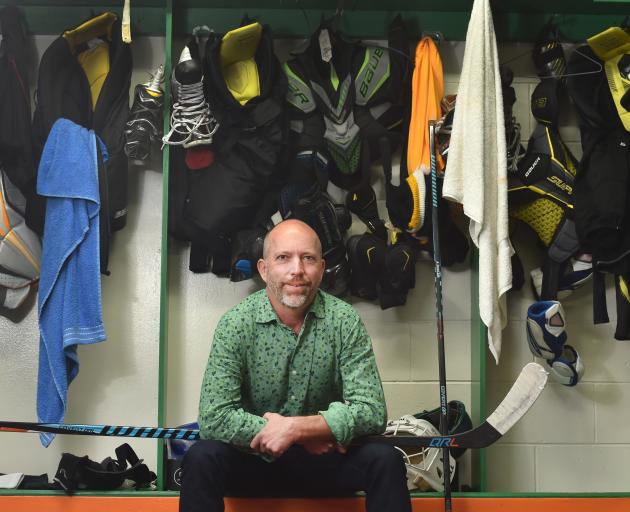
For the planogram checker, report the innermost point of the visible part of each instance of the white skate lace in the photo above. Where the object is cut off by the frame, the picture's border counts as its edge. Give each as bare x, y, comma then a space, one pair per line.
192, 123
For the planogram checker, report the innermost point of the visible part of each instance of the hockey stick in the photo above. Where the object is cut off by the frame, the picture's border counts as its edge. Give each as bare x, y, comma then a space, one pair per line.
437, 260
100, 430
521, 396
516, 403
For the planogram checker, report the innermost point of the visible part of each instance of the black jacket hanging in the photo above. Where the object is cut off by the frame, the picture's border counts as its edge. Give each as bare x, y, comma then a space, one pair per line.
602, 186
64, 90
16, 146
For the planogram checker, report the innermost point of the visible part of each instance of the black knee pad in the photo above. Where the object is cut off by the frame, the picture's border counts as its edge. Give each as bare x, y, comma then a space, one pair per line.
362, 202
397, 275
366, 254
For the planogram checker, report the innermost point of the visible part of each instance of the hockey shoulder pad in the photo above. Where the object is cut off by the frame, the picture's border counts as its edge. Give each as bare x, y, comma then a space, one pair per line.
20, 247
611, 46
299, 94
540, 192
381, 72
543, 173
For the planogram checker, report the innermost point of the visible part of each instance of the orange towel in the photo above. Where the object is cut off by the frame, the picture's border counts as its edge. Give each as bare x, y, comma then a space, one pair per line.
427, 91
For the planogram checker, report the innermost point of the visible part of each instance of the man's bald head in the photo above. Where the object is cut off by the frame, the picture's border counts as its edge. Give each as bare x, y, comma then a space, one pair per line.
289, 228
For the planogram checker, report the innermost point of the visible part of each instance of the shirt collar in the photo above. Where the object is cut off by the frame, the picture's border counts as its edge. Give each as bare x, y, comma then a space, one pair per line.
265, 312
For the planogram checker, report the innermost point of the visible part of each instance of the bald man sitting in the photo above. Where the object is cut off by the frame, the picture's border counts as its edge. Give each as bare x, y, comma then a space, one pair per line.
291, 380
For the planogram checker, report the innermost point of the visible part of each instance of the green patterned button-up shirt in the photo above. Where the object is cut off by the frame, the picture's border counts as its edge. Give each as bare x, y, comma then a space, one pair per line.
257, 365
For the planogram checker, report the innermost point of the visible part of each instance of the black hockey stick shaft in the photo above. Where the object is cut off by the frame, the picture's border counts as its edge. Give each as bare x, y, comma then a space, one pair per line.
437, 261
516, 403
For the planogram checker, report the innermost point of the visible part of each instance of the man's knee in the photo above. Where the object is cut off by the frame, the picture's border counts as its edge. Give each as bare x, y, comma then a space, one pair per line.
383, 457
205, 453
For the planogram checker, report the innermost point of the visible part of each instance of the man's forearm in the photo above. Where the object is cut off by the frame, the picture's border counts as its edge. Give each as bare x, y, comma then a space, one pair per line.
312, 428
236, 427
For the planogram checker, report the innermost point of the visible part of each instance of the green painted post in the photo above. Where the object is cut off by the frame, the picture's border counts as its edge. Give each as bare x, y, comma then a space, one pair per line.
163, 347
477, 372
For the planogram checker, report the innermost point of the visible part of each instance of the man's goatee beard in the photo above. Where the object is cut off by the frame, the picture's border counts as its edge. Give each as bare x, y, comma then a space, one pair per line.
290, 301
293, 301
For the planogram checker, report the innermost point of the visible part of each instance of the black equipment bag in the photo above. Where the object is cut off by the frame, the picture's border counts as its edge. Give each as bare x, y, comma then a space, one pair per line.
81, 473
458, 421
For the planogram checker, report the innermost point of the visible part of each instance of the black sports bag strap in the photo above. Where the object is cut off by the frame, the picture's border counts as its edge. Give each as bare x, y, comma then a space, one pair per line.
600, 310
125, 454
138, 472
68, 471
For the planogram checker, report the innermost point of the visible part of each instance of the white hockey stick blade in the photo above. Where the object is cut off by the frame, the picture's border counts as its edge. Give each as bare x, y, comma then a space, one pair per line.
521, 396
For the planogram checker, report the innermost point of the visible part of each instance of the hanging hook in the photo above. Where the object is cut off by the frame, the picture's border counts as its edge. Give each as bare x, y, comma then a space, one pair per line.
336, 22
597, 69
308, 23
436, 35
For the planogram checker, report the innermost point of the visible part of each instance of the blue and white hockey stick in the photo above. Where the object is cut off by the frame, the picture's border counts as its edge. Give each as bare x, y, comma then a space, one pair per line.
516, 403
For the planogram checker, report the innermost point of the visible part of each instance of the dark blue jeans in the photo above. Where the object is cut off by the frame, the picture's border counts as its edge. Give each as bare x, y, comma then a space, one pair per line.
212, 470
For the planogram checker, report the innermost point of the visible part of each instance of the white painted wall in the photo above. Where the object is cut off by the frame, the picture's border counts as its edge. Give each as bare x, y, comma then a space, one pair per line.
573, 439
117, 381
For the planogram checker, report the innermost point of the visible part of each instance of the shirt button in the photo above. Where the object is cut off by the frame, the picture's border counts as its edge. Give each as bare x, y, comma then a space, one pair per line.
294, 372
292, 397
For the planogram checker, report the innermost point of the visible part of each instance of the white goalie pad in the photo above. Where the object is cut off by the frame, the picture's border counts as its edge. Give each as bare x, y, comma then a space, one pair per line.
425, 466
